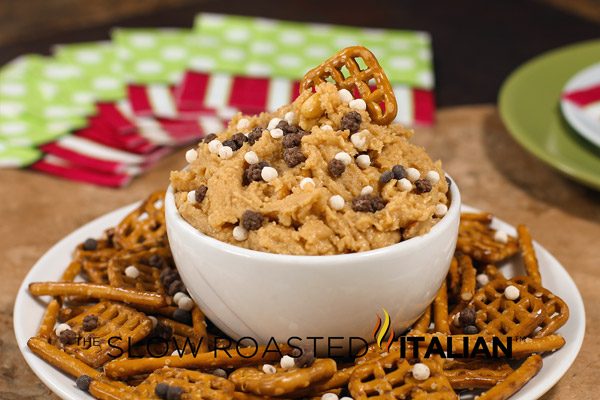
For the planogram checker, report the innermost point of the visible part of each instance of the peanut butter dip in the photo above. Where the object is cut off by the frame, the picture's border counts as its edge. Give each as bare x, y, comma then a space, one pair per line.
315, 177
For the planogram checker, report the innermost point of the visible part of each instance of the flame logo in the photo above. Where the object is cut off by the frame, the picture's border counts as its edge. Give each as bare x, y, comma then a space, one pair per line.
382, 328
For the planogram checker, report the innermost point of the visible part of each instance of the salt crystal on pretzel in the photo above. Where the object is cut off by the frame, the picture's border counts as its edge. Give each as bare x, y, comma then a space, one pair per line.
358, 79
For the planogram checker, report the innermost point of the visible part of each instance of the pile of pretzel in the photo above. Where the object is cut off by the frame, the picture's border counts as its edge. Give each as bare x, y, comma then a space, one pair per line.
110, 302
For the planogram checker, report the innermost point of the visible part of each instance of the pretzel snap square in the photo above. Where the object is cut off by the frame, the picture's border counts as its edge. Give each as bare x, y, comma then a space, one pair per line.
358, 78
100, 324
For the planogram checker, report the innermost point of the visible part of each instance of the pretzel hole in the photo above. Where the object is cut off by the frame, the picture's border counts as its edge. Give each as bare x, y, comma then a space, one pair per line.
362, 65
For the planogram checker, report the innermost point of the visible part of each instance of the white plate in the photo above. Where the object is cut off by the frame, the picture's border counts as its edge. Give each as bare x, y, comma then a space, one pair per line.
28, 311
580, 120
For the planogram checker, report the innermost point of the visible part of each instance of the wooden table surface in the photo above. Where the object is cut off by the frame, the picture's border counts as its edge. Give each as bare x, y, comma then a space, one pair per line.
492, 172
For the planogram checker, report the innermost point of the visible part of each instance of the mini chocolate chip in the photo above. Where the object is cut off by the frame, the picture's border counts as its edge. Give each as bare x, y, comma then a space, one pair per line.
90, 244
239, 139
174, 393
90, 322
351, 121
306, 358
251, 220
467, 316
209, 138
67, 336
386, 177
161, 390
252, 173
470, 330
201, 193
287, 128
422, 186
254, 135
167, 276
336, 168
291, 140
83, 382
162, 331
399, 172
156, 260
368, 203
182, 316
293, 156
231, 143
176, 286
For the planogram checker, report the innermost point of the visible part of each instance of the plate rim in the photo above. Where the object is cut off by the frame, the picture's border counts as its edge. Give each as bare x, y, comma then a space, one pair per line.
584, 177
571, 112
31, 359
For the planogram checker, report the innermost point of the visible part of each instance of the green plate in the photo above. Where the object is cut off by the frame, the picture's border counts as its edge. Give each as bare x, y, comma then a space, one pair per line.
529, 106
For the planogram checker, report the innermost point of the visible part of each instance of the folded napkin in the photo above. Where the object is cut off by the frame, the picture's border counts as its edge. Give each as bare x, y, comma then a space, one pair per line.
104, 112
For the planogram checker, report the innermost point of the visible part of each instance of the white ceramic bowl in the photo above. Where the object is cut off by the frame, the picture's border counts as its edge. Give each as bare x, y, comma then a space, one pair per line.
263, 295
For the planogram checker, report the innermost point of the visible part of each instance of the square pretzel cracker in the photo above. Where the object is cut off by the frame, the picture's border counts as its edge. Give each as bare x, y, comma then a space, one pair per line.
116, 324
149, 275
190, 384
144, 226
476, 239
390, 377
358, 78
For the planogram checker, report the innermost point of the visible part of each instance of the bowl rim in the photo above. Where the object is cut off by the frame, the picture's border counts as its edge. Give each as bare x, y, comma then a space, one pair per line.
406, 245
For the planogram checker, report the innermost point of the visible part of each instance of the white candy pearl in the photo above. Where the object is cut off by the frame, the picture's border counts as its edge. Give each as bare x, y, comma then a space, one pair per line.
287, 362
512, 292
243, 123
251, 157
433, 177
185, 303
268, 174
358, 104
273, 123
220, 372
191, 155
363, 161
307, 184
501, 236
330, 396
345, 95
421, 372
175, 353
191, 196
441, 210
337, 202
343, 157
153, 320
225, 152
268, 369
366, 190
240, 233
482, 279
60, 328
178, 296
290, 117
132, 272
276, 133
359, 140
412, 174
214, 146
326, 127
404, 185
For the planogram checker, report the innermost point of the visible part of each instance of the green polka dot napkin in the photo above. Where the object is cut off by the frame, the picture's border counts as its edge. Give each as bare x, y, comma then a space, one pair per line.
257, 46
